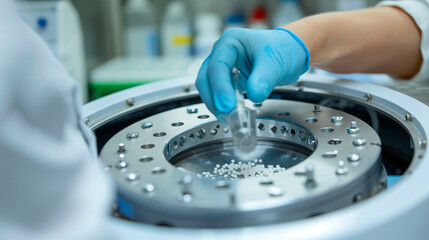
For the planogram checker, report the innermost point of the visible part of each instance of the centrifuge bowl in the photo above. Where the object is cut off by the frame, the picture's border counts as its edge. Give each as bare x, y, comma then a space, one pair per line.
387, 214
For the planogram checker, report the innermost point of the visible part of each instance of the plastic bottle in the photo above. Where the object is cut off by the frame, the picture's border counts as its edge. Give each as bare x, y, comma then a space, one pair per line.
287, 12
258, 20
176, 31
208, 27
141, 38
234, 20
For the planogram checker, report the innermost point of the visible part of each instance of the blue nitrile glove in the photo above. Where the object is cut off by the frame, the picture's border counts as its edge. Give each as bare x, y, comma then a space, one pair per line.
269, 57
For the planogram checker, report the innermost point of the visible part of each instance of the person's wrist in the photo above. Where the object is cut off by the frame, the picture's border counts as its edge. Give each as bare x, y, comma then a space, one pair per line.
304, 48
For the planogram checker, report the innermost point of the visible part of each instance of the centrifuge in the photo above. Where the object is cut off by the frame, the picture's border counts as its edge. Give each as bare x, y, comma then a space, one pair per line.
333, 159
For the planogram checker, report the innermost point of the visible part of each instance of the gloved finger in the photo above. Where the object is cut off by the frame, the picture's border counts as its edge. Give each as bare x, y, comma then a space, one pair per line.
219, 77
203, 87
262, 80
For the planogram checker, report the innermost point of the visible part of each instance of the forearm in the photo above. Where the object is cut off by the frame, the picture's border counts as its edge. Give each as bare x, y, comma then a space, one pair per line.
375, 40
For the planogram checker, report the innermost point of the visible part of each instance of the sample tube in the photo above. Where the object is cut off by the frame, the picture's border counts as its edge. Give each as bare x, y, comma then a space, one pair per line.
241, 120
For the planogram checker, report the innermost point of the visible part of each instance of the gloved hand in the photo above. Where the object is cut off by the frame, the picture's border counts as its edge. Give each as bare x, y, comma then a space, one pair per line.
268, 57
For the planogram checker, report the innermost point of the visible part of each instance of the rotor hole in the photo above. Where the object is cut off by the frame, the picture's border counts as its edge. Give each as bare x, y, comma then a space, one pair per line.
284, 130
177, 124
301, 136
191, 136
175, 144
311, 120
283, 114
311, 140
261, 127
330, 154
358, 197
222, 185
274, 130
203, 116
335, 141
148, 146
201, 133
182, 141
163, 224
146, 159
158, 170
266, 182
292, 132
159, 134
327, 129
218, 126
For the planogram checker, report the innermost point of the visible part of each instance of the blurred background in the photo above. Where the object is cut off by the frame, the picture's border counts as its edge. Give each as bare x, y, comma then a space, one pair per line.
110, 45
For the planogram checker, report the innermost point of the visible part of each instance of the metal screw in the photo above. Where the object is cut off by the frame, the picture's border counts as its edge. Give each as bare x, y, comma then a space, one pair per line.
86, 121
368, 97
336, 119
130, 102
359, 142
353, 129
148, 187
341, 170
121, 147
309, 170
192, 110
146, 125
121, 157
132, 135
309, 173
132, 176
408, 117
316, 109
182, 141
354, 157
121, 164
423, 144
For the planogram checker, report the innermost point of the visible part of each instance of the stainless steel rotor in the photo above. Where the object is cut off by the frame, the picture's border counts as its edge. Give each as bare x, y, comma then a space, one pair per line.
331, 160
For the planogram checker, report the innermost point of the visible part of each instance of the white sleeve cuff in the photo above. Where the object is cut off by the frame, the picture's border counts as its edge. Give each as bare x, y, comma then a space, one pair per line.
419, 11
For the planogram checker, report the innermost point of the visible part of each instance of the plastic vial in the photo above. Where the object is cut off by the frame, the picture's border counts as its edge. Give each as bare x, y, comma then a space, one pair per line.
241, 120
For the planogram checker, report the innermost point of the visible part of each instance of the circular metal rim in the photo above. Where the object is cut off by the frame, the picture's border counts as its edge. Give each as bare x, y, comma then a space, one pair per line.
297, 193
373, 216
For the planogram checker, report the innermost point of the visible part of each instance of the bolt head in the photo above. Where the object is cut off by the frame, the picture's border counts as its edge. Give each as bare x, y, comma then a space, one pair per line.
130, 102
148, 187
354, 157
337, 119
359, 142
146, 125
121, 164
132, 135
132, 176
192, 110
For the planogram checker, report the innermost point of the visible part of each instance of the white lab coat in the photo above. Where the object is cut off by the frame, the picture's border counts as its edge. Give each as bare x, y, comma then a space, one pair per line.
50, 185
419, 11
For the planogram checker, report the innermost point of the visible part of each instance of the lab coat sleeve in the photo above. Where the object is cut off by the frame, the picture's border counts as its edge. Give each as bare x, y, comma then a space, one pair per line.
419, 11
50, 184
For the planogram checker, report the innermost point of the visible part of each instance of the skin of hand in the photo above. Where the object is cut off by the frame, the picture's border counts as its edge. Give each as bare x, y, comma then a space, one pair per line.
268, 57
373, 40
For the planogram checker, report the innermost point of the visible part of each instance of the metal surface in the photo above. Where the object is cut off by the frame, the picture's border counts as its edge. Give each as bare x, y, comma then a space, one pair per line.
149, 160
398, 213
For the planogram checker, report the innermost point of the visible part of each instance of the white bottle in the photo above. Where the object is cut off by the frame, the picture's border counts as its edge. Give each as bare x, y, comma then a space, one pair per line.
176, 31
287, 12
141, 38
208, 27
